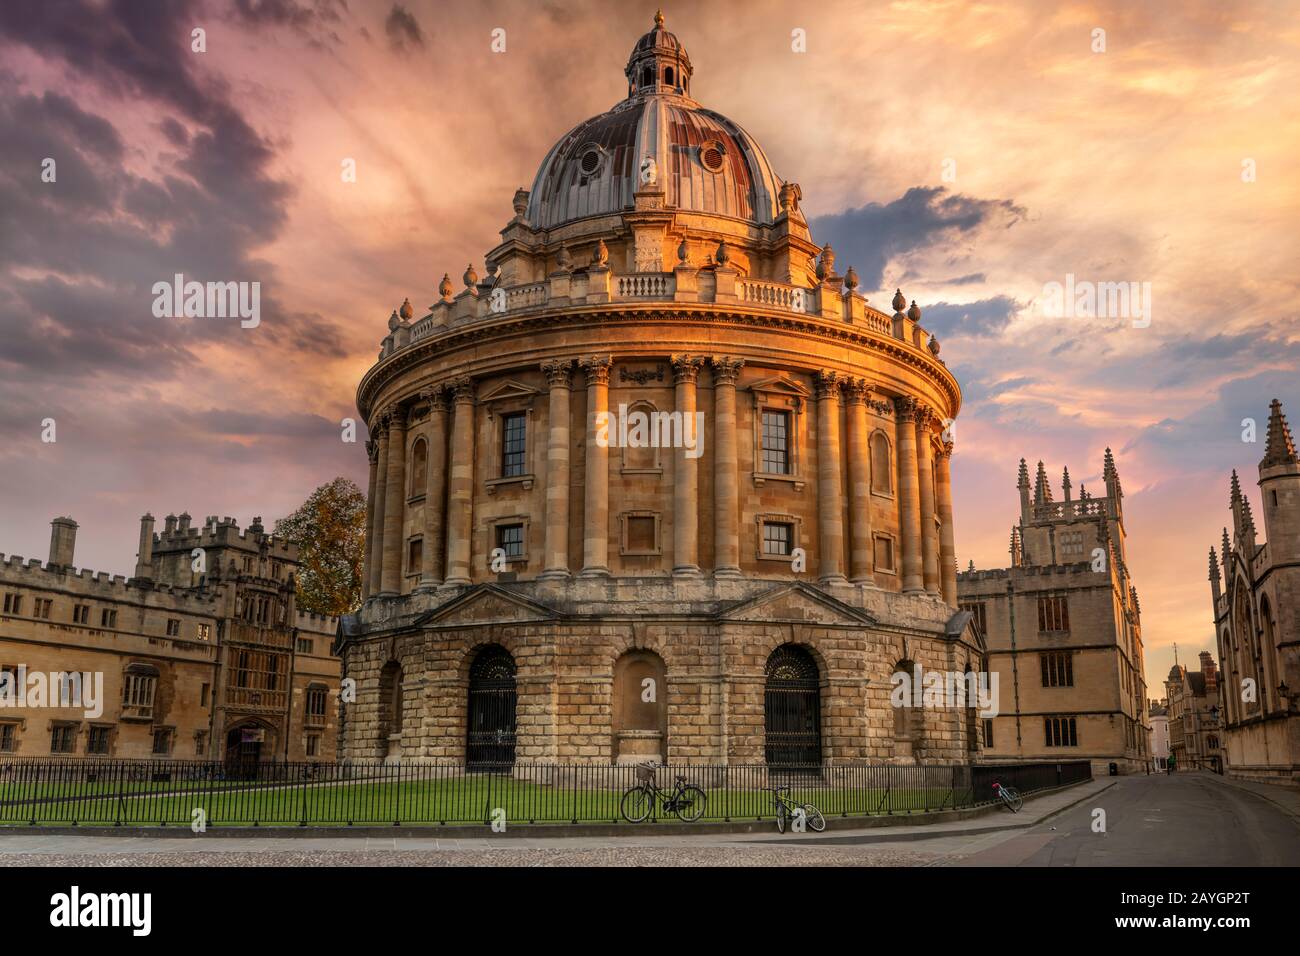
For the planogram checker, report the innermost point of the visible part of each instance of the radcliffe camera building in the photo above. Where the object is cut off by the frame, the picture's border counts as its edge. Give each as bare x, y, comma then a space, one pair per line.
540, 587
1064, 632
214, 663
1255, 587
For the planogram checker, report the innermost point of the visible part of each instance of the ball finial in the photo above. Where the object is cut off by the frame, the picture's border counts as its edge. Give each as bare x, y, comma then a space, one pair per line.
444, 287
899, 302
659, 19
406, 311
914, 313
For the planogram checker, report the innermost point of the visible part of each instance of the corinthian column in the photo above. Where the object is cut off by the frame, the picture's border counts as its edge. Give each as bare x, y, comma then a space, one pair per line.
925, 474
372, 453
460, 483
394, 501
375, 549
947, 545
435, 491
909, 496
559, 375
830, 494
595, 510
726, 489
686, 486
859, 394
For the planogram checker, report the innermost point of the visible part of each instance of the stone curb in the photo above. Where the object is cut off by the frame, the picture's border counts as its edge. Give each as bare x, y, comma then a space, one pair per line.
559, 830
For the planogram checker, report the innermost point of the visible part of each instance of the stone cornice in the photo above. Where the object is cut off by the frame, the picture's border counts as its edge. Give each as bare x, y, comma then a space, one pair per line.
789, 323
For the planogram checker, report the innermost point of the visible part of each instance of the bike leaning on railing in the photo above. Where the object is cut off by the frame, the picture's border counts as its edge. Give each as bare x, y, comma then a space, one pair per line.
788, 810
1009, 796
685, 799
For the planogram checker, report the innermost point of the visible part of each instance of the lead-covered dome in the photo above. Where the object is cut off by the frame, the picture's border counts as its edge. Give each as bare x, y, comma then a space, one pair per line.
703, 161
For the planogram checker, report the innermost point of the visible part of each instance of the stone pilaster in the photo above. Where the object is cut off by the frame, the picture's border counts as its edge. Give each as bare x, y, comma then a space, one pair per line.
372, 453
686, 488
925, 476
595, 516
394, 502
947, 543
556, 549
435, 493
830, 493
460, 483
858, 394
375, 567
909, 496
726, 462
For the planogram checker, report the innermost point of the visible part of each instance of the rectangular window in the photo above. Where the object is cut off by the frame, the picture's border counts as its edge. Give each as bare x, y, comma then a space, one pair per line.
200, 743
977, 610
776, 442
1053, 614
107, 618
1061, 731
641, 534
316, 706
43, 606
1058, 668
205, 632
304, 645
778, 537
13, 603
137, 695
414, 555
203, 694
8, 738
510, 539
313, 745
884, 554
173, 627
81, 614
513, 434
988, 733
162, 741
97, 740
63, 738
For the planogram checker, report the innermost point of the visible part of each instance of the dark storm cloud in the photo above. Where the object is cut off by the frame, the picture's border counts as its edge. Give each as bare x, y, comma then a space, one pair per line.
985, 317
403, 29
870, 236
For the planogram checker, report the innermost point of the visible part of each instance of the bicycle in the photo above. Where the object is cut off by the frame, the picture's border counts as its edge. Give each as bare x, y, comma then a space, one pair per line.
685, 800
786, 811
1009, 796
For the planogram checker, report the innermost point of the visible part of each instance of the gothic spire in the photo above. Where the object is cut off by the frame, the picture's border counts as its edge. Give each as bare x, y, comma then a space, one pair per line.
1279, 448
1227, 548
1042, 490
1214, 566
1065, 483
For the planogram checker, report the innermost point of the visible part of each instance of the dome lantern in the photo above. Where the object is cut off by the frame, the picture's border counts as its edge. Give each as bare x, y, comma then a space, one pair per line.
658, 64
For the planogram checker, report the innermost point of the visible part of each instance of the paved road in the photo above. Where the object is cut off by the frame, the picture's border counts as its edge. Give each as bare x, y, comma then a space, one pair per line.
1189, 819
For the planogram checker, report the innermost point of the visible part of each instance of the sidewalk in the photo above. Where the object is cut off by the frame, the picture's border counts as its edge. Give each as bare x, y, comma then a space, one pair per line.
1283, 797
1035, 811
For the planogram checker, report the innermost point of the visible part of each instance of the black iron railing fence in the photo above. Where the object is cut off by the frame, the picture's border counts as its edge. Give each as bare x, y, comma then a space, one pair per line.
88, 791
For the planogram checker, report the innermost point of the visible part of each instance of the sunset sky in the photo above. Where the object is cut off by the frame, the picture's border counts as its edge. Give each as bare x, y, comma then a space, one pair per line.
1120, 165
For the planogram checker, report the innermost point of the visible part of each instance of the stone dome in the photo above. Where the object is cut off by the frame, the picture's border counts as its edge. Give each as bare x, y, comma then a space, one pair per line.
704, 162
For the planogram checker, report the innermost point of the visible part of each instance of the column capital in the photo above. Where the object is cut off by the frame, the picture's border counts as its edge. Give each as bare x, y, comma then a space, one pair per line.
462, 390
906, 408
947, 449
925, 417
597, 368
858, 391
559, 372
726, 370
828, 384
436, 396
686, 368
372, 451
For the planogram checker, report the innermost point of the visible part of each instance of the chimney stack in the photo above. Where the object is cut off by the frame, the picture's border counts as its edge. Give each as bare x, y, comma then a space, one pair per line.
144, 557
1210, 670
63, 541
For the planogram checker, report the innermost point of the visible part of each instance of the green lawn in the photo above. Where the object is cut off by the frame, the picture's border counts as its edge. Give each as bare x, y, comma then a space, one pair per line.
451, 800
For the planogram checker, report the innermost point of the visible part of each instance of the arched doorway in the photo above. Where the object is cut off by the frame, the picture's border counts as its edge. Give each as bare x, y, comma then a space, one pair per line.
640, 708
792, 709
247, 745
490, 742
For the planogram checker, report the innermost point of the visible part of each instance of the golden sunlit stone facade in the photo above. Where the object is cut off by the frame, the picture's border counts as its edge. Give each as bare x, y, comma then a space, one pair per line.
542, 587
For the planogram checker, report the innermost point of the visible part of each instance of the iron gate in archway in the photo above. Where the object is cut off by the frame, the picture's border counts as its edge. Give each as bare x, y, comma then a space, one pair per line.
792, 709
492, 698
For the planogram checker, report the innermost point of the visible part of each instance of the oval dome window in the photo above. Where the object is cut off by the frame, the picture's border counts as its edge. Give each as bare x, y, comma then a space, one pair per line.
711, 156
590, 162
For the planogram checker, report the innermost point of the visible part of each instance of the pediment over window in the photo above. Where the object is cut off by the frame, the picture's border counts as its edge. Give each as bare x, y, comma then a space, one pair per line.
797, 603
509, 391
780, 385
486, 604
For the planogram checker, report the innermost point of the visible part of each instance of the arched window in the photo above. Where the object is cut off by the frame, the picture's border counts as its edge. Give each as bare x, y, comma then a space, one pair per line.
640, 706
390, 702
419, 467
490, 743
647, 77
640, 454
972, 709
792, 709
668, 76
907, 718
882, 468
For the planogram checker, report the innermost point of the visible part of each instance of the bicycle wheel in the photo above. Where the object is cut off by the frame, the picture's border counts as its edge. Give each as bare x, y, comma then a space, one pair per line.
690, 804
816, 822
1014, 800
636, 804
781, 814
